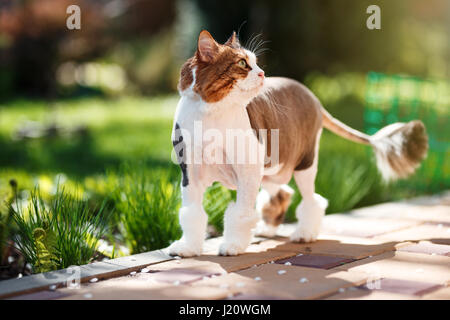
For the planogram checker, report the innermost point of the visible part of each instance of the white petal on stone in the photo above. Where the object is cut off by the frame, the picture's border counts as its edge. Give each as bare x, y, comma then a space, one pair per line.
88, 295
272, 262
434, 253
145, 270
341, 290
257, 278
177, 257
132, 273
52, 287
300, 254
240, 284
205, 278
176, 283
93, 280
288, 263
19, 276
281, 271
303, 280
440, 225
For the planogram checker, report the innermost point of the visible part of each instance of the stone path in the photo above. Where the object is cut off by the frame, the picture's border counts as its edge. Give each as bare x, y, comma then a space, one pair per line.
388, 251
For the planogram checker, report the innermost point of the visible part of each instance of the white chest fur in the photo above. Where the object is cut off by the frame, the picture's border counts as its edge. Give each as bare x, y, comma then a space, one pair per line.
218, 137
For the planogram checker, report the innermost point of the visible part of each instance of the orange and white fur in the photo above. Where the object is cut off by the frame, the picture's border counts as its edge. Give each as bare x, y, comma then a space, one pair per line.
222, 87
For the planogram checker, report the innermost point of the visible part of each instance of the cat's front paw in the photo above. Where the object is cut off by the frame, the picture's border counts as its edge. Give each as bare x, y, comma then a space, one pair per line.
305, 235
231, 249
182, 249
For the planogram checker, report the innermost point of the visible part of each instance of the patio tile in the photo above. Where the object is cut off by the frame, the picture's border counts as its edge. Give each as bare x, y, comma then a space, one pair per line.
440, 294
135, 289
427, 247
234, 285
41, 295
435, 233
363, 227
406, 287
423, 212
203, 266
246, 260
339, 246
32, 283
178, 275
360, 294
142, 259
318, 283
315, 261
404, 266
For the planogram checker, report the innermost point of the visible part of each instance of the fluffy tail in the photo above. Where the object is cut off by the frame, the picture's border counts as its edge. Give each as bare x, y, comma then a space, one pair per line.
399, 147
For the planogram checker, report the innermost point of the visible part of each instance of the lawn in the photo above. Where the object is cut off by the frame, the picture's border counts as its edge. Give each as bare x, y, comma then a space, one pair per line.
110, 160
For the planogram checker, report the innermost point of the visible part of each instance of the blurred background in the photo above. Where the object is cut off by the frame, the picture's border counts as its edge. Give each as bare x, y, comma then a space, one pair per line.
91, 110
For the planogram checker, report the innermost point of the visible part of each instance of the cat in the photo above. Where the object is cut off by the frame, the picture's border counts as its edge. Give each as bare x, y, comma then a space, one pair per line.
223, 88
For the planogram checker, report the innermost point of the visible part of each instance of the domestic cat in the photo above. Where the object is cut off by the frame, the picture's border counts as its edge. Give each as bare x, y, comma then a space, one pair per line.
223, 89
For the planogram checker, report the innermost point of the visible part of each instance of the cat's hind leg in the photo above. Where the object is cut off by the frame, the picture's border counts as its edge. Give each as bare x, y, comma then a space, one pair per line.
311, 209
271, 205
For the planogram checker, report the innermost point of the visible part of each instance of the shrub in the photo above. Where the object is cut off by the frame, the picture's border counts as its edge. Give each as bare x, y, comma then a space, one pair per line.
147, 202
57, 234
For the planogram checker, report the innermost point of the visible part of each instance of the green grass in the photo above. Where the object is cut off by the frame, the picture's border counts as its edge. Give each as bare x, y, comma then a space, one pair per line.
58, 233
147, 203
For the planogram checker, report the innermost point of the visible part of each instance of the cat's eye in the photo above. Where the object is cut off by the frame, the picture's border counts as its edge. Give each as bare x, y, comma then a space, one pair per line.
242, 63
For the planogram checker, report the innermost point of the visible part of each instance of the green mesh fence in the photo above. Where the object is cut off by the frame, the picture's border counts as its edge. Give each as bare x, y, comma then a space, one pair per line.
398, 98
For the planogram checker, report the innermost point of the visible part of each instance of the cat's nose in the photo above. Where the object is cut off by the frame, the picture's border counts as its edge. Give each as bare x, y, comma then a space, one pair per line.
261, 74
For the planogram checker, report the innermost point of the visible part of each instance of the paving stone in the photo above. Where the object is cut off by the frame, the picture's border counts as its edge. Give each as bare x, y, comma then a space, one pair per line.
246, 260
41, 295
235, 285
364, 227
134, 289
427, 247
32, 283
359, 294
338, 246
406, 210
404, 266
142, 259
315, 261
438, 234
441, 294
319, 282
255, 297
406, 287
204, 266
179, 275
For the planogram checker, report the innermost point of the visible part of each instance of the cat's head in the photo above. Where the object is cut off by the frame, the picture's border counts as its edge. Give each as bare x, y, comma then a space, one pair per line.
217, 71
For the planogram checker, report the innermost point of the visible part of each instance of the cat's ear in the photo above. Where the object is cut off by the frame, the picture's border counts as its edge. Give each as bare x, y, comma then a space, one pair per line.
233, 41
207, 47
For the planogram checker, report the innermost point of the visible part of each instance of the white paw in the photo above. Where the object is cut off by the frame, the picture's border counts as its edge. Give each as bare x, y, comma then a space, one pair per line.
182, 249
231, 249
265, 230
305, 235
